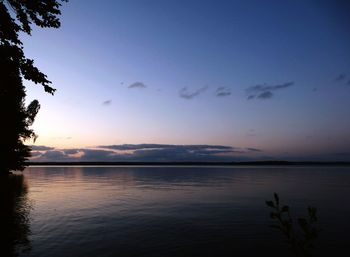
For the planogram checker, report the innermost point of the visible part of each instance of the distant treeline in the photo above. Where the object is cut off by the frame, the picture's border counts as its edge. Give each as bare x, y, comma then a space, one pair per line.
194, 163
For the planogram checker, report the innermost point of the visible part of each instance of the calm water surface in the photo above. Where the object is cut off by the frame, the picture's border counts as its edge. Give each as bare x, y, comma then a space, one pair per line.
168, 211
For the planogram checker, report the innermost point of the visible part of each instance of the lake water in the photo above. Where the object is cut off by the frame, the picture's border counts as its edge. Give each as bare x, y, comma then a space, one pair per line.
168, 211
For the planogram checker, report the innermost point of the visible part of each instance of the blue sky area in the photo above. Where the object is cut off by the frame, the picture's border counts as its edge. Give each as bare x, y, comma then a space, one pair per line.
201, 80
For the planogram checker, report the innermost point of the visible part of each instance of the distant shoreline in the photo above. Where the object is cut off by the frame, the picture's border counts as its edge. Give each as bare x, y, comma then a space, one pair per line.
254, 163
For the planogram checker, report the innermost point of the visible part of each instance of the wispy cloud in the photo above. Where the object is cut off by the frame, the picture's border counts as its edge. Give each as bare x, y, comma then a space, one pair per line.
41, 148
265, 91
253, 149
35, 154
139, 85
341, 77
107, 102
223, 91
71, 151
251, 133
265, 95
186, 94
55, 155
98, 155
125, 147
61, 138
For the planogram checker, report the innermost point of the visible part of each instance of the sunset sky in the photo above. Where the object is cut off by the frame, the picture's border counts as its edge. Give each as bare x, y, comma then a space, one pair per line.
203, 80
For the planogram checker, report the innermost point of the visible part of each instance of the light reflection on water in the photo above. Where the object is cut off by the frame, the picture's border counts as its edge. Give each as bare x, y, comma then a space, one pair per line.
175, 211
14, 215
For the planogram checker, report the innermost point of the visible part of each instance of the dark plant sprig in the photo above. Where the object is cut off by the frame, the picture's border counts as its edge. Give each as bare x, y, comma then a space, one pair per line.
300, 241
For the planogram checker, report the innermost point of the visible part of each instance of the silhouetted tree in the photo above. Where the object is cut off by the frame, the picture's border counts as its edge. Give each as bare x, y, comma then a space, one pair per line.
17, 16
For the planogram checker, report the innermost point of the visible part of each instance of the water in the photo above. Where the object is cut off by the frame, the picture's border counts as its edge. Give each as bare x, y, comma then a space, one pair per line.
168, 211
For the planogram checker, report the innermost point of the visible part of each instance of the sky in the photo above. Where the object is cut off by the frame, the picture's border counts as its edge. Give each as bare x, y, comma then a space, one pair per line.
194, 80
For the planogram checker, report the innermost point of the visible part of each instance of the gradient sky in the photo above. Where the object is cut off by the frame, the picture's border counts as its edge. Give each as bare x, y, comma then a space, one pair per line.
268, 75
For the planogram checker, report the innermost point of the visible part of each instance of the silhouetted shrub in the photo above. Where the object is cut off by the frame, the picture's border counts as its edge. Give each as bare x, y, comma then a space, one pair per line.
300, 238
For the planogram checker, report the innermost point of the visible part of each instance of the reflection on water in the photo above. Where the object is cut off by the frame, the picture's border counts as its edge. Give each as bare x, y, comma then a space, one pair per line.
14, 219
168, 211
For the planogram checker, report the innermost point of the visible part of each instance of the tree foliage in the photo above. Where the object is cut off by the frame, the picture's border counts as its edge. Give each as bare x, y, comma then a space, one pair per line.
18, 16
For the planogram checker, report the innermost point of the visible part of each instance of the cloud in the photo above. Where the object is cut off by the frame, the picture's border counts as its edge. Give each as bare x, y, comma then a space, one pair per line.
253, 149
186, 94
107, 102
137, 85
265, 87
180, 154
126, 147
35, 153
71, 151
41, 148
265, 91
172, 153
159, 152
97, 155
148, 152
265, 95
251, 133
162, 146
55, 155
223, 91
341, 77
61, 138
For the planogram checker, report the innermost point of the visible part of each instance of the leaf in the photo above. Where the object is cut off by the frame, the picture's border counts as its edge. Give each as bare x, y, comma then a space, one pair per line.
273, 215
285, 208
270, 204
300, 240
312, 213
303, 223
275, 226
276, 198
32, 111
